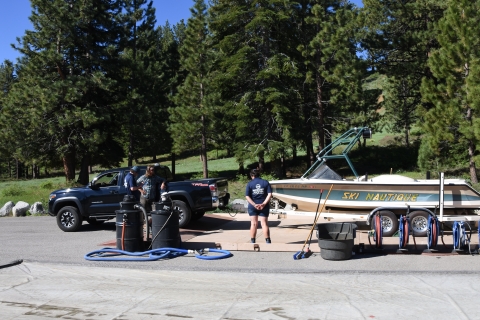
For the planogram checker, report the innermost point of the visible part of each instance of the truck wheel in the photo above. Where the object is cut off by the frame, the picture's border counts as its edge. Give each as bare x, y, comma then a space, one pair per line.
68, 219
197, 215
419, 223
184, 213
389, 223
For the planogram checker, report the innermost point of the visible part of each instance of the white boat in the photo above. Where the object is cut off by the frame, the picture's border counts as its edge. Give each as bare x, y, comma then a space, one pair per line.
361, 195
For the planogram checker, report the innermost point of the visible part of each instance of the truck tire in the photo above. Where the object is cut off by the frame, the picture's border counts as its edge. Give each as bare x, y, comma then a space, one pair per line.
419, 223
68, 219
184, 213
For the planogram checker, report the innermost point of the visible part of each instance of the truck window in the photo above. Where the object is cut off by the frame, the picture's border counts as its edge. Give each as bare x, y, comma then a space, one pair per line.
107, 180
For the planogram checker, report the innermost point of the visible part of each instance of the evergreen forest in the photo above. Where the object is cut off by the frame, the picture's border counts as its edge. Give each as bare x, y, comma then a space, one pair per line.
98, 81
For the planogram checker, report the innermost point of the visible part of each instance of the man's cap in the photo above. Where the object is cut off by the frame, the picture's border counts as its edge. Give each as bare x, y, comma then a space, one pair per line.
156, 164
135, 168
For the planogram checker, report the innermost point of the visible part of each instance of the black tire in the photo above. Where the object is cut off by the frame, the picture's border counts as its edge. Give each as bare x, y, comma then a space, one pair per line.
68, 219
419, 223
197, 215
184, 213
95, 222
389, 223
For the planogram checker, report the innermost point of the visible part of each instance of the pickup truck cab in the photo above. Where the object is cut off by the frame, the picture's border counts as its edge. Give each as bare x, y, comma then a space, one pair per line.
98, 201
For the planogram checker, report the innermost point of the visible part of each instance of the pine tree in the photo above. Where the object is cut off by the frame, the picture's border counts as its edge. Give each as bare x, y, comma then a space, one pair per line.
254, 40
192, 116
333, 67
454, 90
65, 88
399, 38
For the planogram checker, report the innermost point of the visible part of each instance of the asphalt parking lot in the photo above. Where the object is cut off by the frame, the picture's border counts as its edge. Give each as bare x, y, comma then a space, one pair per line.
55, 281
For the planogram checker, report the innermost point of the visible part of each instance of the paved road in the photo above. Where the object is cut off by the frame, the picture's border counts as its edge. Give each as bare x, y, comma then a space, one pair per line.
55, 281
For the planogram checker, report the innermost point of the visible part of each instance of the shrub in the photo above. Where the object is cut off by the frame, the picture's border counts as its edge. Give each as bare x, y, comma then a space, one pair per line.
47, 185
13, 191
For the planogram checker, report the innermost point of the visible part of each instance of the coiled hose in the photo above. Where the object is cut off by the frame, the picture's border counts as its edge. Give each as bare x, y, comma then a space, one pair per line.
432, 231
111, 254
377, 231
460, 237
403, 231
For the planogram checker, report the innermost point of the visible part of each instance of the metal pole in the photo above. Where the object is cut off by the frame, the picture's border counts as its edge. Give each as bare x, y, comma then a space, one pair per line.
442, 178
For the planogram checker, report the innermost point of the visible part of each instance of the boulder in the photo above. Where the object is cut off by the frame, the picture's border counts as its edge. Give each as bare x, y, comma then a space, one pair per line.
37, 209
20, 209
6, 209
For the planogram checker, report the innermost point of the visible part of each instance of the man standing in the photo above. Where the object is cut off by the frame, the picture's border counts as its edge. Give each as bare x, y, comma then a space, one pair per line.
151, 182
131, 184
258, 193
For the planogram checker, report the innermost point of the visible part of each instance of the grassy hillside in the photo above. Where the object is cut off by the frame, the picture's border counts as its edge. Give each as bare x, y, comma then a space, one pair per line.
382, 155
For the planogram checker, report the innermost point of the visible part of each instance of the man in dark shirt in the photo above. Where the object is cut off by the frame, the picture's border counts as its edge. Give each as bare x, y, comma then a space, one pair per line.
131, 184
258, 193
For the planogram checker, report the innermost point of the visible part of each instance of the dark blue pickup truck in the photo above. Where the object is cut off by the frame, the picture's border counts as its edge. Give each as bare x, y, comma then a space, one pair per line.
97, 202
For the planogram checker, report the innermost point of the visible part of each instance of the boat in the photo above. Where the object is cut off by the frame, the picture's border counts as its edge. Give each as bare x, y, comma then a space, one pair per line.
358, 197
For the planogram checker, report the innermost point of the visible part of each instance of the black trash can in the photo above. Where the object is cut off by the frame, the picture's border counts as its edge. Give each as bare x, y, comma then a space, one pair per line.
165, 225
129, 226
336, 240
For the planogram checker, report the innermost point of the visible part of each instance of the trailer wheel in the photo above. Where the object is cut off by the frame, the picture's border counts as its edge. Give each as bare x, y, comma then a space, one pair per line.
389, 223
419, 223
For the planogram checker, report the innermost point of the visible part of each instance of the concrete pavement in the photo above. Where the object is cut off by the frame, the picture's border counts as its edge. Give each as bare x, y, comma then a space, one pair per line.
267, 284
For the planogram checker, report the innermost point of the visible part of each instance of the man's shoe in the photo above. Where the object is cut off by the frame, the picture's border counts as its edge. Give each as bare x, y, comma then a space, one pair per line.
267, 240
252, 240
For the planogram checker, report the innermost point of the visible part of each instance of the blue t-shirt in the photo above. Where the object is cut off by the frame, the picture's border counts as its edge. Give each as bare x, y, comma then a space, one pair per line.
129, 183
258, 190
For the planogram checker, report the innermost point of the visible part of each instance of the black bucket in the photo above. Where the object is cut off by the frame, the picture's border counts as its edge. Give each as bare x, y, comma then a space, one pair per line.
129, 222
165, 226
336, 240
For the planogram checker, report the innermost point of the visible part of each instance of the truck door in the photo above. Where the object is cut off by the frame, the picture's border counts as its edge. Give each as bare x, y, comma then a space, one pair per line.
105, 194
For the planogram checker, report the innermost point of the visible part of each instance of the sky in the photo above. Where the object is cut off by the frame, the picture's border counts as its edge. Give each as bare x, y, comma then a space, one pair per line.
14, 20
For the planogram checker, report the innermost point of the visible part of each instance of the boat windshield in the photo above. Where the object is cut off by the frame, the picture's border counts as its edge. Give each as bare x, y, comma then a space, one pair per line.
324, 172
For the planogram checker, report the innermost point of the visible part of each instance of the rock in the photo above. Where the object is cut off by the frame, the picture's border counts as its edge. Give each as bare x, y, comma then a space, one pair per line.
6, 209
20, 209
37, 209
240, 205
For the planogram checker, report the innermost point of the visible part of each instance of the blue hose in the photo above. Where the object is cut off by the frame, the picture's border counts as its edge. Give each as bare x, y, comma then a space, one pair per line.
432, 224
109, 254
404, 223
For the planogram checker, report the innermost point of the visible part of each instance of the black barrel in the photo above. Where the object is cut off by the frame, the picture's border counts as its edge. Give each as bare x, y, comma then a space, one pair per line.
336, 240
129, 226
165, 226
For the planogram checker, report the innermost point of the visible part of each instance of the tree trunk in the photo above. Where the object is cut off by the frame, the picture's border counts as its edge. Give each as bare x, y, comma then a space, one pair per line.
173, 165
261, 162
471, 154
69, 165
83, 176
204, 149
321, 120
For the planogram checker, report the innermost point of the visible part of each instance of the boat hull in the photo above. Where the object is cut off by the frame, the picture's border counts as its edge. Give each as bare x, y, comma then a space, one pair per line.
364, 196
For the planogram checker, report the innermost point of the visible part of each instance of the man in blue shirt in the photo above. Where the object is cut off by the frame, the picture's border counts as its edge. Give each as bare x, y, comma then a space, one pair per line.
131, 184
258, 193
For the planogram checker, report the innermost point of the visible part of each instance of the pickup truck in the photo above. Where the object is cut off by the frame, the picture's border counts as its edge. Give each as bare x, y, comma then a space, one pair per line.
98, 201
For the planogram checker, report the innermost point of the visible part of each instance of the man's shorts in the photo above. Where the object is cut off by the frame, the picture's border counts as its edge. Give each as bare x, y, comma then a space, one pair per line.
262, 213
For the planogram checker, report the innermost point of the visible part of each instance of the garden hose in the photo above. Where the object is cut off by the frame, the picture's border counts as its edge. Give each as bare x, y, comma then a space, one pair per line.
111, 254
